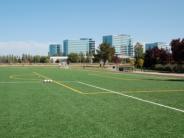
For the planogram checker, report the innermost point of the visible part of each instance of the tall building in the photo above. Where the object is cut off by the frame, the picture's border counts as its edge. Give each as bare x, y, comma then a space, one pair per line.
84, 45
55, 50
122, 43
91, 43
160, 45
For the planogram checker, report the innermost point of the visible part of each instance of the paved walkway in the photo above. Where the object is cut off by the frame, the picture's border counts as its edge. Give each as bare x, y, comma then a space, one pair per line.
181, 75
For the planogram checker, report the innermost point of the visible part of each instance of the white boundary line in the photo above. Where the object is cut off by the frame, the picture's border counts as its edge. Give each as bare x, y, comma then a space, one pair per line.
132, 97
16, 82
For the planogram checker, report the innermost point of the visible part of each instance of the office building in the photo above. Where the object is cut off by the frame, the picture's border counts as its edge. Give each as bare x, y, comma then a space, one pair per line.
122, 43
84, 45
55, 50
91, 43
160, 45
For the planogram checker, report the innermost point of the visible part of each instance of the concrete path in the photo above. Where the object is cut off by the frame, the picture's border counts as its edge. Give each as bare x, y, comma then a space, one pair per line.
181, 75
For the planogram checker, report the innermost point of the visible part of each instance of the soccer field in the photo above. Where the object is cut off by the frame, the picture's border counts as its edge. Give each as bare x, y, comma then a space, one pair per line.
82, 103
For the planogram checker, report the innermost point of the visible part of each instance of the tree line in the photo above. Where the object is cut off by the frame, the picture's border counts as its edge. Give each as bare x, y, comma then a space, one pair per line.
80, 58
25, 58
161, 59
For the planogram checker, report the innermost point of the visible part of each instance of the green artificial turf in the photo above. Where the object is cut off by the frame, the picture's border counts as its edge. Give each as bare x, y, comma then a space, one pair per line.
30, 108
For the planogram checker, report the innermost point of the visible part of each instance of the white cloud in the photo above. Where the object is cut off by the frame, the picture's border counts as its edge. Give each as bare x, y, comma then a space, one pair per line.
20, 47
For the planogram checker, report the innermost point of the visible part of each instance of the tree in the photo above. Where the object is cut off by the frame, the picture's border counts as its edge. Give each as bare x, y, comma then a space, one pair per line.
89, 57
81, 57
116, 60
25, 58
149, 59
105, 53
156, 56
138, 52
177, 47
36, 59
140, 62
44, 59
96, 58
164, 57
73, 57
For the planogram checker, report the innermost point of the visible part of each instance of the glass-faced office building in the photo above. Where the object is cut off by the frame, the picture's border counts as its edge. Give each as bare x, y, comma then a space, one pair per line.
84, 45
122, 43
91, 43
55, 50
160, 45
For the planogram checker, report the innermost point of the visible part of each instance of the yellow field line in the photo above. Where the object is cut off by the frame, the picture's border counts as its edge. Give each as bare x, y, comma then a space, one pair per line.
147, 91
112, 77
59, 83
69, 87
11, 76
95, 93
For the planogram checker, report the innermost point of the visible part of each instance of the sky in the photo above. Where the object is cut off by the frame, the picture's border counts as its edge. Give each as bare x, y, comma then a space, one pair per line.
29, 26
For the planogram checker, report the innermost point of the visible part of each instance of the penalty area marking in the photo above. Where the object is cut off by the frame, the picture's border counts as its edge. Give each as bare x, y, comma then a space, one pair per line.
110, 92
132, 97
21, 77
59, 83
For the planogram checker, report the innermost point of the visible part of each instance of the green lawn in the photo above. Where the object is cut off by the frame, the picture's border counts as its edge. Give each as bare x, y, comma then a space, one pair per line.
98, 108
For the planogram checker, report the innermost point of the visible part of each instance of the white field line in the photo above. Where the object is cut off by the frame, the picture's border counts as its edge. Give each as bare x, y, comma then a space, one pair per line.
132, 97
16, 82
95, 93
